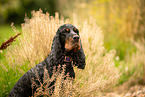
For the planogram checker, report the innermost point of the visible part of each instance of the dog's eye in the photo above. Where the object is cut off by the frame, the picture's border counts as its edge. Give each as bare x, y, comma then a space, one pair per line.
75, 30
67, 30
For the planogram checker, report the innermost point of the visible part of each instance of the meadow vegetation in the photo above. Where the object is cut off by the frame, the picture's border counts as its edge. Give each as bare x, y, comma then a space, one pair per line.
35, 43
113, 38
122, 23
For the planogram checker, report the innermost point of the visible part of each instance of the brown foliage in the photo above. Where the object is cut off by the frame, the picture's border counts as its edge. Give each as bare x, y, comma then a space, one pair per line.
8, 42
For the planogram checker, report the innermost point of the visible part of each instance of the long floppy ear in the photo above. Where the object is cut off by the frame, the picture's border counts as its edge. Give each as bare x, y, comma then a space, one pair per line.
79, 58
56, 51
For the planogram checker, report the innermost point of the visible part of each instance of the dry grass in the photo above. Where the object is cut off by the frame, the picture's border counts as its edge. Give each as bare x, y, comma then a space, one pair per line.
136, 64
35, 44
63, 88
121, 21
122, 18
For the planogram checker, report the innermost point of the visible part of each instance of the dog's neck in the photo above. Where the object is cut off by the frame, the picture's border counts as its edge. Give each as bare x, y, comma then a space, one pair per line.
62, 58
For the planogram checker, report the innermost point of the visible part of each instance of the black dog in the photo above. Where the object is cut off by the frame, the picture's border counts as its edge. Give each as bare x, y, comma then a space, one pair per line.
66, 49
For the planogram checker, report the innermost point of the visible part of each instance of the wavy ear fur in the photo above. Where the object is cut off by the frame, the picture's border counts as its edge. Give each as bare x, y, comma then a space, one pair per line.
79, 58
56, 51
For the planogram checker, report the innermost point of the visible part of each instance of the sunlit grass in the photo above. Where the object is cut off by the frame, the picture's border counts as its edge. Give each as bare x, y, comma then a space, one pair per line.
133, 67
35, 43
121, 22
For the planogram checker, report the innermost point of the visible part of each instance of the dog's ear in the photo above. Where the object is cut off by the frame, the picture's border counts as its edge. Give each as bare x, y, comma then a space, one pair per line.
79, 58
56, 51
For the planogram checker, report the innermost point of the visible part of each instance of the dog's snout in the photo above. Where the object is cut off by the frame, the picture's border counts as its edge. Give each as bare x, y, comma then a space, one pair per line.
76, 37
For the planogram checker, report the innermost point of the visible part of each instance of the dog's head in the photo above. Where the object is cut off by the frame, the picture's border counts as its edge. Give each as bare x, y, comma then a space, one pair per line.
69, 37
67, 40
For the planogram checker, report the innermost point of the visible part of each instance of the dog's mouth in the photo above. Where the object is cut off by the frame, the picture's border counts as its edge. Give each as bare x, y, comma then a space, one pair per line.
76, 47
71, 45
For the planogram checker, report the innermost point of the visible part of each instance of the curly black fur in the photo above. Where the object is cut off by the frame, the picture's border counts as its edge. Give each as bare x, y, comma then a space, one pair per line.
23, 88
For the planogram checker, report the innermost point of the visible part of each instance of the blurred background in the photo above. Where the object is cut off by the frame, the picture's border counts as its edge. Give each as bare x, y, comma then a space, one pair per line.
15, 10
122, 23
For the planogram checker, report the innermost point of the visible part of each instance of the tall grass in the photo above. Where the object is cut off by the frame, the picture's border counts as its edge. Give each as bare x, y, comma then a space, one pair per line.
121, 22
36, 41
122, 19
134, 68
35, 44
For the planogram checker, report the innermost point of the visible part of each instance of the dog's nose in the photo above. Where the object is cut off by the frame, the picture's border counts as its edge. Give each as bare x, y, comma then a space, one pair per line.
76, 37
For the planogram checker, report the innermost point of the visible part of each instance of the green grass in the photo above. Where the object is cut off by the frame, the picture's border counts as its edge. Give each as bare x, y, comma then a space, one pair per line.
8, 76
6, 32
123, 47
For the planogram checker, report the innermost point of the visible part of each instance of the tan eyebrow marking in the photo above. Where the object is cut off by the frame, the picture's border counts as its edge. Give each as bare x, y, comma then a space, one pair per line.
67, 30
75, 29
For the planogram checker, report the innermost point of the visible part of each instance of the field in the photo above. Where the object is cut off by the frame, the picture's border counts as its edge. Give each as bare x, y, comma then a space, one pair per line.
115, 62
6, 32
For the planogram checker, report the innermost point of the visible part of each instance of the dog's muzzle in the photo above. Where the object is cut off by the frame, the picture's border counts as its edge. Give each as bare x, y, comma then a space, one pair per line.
72, 43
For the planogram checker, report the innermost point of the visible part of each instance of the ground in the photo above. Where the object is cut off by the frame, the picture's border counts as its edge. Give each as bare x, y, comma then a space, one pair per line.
121, 91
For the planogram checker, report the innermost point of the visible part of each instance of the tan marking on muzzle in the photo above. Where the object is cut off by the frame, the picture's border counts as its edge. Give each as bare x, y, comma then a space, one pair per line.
70, 44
